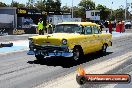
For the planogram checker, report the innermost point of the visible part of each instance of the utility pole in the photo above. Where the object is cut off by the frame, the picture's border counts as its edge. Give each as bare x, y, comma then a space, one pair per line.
72, 8
41, 6
126, 11
111, 8
12, 3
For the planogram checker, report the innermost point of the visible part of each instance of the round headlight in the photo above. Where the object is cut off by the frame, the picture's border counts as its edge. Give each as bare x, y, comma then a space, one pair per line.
64, 41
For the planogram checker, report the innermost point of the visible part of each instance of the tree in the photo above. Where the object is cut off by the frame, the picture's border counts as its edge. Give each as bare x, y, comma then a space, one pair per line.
57, 5
119, 14
78, 12
66, 9
83, 6
53, 5
87, 4
30, 4
2, 4
104, 12
41, 5
17, 4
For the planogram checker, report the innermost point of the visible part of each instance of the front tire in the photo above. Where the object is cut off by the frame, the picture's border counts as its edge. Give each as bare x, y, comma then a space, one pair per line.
39, 58
77, 54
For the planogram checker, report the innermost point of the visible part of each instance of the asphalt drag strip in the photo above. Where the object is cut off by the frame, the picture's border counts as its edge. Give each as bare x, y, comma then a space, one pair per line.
69, 81
19, 70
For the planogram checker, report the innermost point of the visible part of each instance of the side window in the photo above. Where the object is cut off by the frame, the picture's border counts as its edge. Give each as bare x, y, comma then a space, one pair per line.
88, 30
96, 30
77, 29
97, 14
92, 13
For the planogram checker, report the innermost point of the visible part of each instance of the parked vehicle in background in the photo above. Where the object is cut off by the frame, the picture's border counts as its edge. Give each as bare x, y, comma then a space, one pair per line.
128, 24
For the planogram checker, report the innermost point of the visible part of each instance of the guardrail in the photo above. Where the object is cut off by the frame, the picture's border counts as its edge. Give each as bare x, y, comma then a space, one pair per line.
6, 45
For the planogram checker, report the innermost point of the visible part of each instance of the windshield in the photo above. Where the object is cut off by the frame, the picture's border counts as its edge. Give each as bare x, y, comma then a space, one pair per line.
68, 29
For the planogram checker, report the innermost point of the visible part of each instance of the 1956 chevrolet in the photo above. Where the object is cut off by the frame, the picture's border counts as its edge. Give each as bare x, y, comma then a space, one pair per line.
70, 39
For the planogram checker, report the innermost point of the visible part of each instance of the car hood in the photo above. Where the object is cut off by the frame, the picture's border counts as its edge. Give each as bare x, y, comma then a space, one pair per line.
58, 36
53, 39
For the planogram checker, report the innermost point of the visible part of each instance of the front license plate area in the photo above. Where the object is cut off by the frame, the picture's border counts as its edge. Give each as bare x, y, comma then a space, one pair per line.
40, 52
55, 54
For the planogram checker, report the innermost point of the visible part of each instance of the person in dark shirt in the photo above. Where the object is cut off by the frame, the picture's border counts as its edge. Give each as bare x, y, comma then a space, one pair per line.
110, 27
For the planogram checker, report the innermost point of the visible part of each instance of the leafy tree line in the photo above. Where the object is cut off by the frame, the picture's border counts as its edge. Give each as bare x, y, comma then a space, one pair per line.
105, 13
43, 5
79, 10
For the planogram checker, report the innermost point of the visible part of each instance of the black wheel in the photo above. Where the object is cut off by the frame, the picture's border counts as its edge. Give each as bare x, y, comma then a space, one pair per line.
81, 80
77, 54
40, 58
104, 48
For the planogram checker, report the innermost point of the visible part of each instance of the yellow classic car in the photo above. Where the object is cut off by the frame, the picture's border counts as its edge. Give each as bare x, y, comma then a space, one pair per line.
70, 39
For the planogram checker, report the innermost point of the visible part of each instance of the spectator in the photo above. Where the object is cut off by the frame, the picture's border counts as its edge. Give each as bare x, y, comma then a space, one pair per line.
49, 28
110, 27
106, 24
121, 26
40, 27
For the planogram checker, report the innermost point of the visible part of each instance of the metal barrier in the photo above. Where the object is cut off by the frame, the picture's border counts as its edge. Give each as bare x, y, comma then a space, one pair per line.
6, 45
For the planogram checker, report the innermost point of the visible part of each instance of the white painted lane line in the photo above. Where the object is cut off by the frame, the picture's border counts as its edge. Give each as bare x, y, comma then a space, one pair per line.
20, 43
19, 46
6, 53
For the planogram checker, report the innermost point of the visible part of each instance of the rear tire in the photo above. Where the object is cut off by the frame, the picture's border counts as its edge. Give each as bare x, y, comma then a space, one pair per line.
104, 48
39, 58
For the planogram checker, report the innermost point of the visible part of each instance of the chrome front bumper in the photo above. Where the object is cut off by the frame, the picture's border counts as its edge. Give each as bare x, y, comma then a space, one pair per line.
53, 51
55, 54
